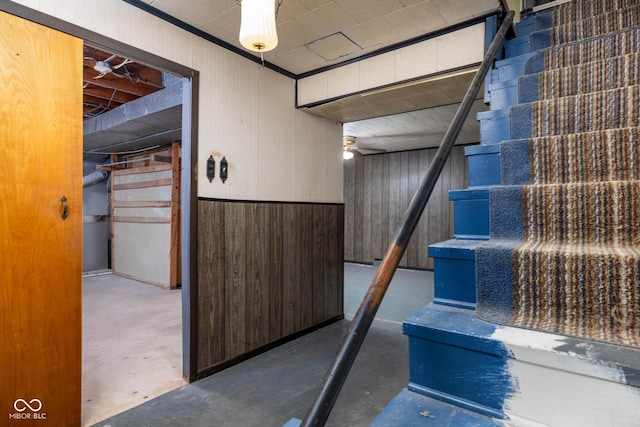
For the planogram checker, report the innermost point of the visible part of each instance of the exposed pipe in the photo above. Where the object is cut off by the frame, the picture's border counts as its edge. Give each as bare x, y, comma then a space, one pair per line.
94, 178
339, 369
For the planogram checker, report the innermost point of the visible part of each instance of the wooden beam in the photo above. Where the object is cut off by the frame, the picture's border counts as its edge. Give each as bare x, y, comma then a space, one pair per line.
142, 184
161, 158
121, 84
145, 169
174, 253
92, 91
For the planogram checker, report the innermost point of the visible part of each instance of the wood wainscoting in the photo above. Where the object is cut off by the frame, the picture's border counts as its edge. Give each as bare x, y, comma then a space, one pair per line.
267, 271
377, 191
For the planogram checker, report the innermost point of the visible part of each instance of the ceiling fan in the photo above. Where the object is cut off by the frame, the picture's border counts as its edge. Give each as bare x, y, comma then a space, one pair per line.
104, 67
350, 148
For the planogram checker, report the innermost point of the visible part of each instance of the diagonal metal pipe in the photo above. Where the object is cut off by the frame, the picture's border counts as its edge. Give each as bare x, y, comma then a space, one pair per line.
339, 369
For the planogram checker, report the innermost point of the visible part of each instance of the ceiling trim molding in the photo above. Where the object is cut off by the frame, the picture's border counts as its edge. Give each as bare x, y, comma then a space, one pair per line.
202, 34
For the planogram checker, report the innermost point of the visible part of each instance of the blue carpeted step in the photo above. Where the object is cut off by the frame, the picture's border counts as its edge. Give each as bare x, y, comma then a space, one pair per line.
514, 162
609, 74
621, 43
593, 26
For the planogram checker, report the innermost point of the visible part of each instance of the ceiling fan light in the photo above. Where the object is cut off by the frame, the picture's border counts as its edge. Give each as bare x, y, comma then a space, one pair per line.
347, 154
258, 25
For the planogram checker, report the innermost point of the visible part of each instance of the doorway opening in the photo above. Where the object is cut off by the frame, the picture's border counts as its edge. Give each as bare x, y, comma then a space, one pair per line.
132, 265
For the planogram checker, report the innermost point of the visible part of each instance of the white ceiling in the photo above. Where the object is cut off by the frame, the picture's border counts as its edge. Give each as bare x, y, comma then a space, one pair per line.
319, 33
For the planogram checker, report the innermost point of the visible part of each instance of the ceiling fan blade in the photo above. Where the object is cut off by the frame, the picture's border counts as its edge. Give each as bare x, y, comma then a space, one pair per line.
375, 150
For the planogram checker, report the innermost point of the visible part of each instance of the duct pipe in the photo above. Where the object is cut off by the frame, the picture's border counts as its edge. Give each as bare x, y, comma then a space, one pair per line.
94, 178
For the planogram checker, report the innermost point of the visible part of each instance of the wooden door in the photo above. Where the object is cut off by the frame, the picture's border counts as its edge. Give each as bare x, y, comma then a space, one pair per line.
40, 252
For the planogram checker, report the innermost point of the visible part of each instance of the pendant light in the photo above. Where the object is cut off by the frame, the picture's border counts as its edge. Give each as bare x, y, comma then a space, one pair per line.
258, 25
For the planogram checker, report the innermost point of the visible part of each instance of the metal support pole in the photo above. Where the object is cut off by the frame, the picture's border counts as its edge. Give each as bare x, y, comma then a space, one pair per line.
337, 373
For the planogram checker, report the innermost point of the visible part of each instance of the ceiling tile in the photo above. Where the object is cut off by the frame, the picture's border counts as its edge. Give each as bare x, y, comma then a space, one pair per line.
289, 9
299, 60
418, 19
292, 34
372, 33
456, 11
333, 46
314, 4
327, 19
195, 12
364, 11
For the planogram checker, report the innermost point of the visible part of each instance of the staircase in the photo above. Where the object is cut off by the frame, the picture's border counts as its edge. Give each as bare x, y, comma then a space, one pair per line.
536, 319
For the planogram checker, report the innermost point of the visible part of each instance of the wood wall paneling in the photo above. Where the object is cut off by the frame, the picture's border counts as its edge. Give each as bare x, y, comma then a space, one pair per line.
377, 192
266, 271
211, 283
236, 260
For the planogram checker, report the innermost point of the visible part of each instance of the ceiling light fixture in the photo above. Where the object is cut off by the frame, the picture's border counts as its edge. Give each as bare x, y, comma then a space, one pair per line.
258, 24
347, 154
347, 144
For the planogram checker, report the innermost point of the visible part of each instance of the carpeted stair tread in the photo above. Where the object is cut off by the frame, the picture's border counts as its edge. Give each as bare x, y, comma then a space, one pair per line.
572, 264
577, 10
568, 290
610, 45
595, 25
617, 108
608, 74
603, 213
609, 155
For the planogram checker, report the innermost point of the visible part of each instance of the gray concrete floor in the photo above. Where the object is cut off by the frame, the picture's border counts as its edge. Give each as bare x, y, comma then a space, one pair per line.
131, 344
280, 384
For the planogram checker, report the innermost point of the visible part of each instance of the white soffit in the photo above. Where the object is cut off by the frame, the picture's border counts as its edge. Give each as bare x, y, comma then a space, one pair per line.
450, 51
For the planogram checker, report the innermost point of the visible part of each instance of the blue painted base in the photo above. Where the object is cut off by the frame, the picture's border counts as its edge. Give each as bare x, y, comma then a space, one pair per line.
453, 358
513, 67
494, 126
455, 272
483, 165
503, 94
409, 409
470, 213
517, 46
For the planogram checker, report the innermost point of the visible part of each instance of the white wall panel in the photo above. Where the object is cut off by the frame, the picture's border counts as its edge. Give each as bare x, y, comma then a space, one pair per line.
247, 114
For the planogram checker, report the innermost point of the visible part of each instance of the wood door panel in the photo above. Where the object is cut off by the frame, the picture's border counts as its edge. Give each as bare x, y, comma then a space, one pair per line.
41, 262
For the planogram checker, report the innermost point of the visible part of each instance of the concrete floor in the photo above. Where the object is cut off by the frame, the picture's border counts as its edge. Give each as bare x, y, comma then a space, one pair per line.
131, 344
280, 384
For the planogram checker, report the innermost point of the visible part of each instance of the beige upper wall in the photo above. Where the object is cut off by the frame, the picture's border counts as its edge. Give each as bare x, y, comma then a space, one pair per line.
246, 114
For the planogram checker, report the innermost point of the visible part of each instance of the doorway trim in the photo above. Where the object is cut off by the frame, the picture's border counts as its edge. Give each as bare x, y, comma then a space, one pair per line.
189, 156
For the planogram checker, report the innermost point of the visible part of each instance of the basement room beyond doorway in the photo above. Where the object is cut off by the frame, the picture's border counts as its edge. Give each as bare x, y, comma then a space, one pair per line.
132, 258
